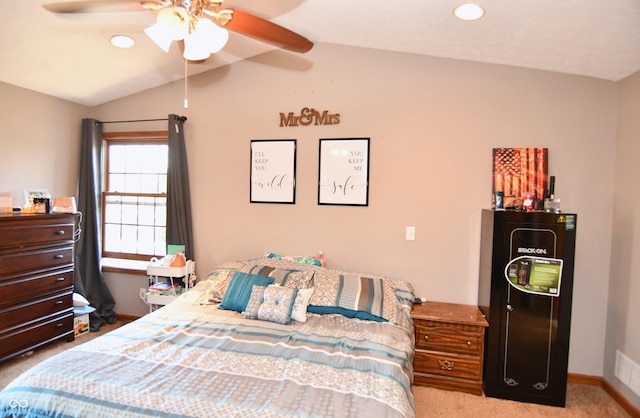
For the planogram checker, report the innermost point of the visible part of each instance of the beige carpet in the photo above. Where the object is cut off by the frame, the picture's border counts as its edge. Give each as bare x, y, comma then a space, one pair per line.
582, 400
14, 367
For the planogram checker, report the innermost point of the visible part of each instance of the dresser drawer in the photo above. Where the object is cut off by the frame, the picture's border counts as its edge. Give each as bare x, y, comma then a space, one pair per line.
445, 364
23, 339
27, 287
453, 338
22, 261
20, 235
35, 310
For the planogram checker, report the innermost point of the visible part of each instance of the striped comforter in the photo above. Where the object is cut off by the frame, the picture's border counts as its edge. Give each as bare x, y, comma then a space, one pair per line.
191, 359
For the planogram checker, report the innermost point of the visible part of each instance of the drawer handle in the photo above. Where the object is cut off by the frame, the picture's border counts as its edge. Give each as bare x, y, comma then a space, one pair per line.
426, 338
58, 256
59, 302
446, 364
59, 325
60, 279
469, 343
60, 232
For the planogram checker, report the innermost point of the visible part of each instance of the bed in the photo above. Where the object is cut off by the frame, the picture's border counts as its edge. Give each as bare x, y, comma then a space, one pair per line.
349, 353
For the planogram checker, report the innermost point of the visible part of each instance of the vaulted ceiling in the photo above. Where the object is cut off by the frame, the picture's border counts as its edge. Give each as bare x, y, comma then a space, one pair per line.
69, 55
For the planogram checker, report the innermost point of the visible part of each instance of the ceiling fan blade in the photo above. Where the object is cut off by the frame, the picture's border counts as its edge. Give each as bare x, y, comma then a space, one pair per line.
96, 6
268, 32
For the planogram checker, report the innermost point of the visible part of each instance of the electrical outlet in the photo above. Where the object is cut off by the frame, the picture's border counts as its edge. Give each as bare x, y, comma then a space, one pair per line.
410, 234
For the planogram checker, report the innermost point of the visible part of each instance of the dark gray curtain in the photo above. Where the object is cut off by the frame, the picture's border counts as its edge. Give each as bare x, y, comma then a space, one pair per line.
89, 280
179, 225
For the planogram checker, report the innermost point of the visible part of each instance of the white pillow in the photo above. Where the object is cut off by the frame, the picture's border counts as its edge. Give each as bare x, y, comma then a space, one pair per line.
79, 300
299, 312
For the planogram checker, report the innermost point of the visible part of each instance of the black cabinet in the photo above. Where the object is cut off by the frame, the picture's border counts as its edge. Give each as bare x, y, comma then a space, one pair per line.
525, 291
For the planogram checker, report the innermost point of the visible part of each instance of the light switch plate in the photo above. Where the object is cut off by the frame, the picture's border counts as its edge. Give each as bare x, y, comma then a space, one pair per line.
410, 234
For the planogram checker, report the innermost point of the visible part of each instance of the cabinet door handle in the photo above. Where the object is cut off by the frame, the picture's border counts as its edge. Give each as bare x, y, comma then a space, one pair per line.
60, 232
446, 364
58, 256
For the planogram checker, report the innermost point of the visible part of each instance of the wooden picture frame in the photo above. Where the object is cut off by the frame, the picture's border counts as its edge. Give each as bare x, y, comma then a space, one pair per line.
273, 171
343, 177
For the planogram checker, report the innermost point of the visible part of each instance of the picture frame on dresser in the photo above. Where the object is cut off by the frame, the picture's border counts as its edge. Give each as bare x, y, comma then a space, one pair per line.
31, 193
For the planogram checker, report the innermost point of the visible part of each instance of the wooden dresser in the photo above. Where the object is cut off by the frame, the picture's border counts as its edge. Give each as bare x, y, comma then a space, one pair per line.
36, 281
449, 346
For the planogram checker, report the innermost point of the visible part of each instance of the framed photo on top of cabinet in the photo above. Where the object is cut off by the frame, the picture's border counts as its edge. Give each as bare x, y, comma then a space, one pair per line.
343, 177
273, 171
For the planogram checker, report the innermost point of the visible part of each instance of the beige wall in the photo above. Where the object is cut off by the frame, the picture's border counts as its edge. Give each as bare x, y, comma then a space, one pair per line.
624, 288
432, 124
39, 143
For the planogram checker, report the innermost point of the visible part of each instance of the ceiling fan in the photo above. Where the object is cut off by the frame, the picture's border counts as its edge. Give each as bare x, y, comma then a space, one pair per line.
201, 24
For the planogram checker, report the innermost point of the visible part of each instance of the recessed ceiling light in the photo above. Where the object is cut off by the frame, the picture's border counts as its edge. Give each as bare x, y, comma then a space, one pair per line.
469, 11
122, 41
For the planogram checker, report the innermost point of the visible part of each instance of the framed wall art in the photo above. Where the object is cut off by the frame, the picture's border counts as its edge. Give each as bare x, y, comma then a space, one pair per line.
343, 177
273, 171
520, 171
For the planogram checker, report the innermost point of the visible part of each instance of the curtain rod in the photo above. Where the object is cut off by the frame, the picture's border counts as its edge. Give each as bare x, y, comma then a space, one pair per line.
182, 119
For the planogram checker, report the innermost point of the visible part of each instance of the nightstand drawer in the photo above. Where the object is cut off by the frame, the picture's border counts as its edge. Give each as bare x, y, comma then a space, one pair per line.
452, 338
446, 364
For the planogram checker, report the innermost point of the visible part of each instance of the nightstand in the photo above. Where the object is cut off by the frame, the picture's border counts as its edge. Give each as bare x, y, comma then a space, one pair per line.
449, 346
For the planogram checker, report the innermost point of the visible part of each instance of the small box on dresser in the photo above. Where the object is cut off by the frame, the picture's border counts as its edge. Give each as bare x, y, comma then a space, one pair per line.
449, 346
36, 281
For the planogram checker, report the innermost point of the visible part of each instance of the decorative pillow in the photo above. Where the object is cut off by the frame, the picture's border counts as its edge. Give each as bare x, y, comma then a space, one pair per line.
299, 279
255, 301
299, 312
405, 293
239, 290
218, 281
271, 303
355, 296
317, 260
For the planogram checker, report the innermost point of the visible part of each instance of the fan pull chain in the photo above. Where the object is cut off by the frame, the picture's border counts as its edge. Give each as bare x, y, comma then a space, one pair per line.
186, 101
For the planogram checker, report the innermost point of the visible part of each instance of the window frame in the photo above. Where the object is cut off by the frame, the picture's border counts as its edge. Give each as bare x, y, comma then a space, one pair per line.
131, 138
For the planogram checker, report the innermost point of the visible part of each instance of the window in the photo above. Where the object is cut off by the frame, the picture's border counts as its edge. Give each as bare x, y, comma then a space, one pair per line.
134, 199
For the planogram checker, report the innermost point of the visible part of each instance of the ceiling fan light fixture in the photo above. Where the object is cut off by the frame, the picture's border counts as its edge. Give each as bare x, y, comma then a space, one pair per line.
469, 11
172, 24
211, 35
158, 34
175, 20
194, 48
